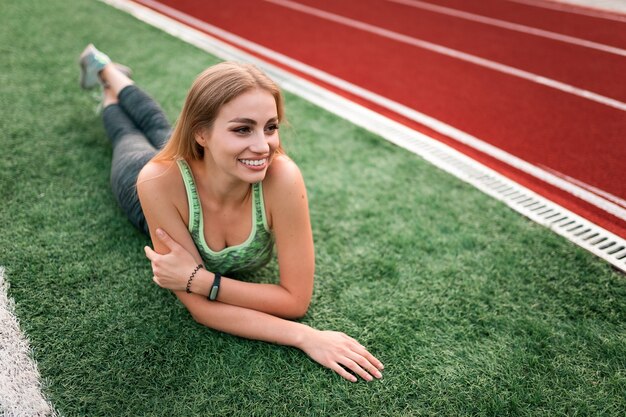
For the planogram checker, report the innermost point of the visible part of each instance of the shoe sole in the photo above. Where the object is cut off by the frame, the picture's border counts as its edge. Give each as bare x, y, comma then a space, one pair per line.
86, 82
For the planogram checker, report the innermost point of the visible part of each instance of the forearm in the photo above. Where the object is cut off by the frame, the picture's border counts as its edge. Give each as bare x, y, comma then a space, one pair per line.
245, 322
333, 350
268, 298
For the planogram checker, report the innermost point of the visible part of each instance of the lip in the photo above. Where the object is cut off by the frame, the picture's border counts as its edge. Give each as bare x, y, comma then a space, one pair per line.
254, 167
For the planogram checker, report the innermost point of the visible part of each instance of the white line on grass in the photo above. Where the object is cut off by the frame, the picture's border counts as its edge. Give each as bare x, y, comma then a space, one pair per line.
20, 386
593, 238
511, 26
453, 53
185, 32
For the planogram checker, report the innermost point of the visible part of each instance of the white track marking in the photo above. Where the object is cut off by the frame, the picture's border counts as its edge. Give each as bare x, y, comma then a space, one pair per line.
20, 386
593, 238
619, 201
602, 12
453, 53
178, 29
511, 26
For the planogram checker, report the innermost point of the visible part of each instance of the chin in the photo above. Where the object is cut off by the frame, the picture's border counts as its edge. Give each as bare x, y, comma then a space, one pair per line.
252, 177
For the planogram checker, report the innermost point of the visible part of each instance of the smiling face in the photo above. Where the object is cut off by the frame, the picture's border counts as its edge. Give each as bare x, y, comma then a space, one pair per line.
244, 136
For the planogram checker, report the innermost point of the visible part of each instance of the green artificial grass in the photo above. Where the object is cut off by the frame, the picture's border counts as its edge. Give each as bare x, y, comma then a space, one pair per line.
473, 309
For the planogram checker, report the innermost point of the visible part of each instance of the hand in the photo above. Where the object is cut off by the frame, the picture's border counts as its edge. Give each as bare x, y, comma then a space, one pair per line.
338, 351
171, 271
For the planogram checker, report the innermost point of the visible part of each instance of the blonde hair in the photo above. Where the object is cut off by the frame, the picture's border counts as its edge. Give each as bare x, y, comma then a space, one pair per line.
214, 87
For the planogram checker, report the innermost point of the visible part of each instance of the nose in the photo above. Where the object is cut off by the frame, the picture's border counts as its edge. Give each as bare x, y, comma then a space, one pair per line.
260, 143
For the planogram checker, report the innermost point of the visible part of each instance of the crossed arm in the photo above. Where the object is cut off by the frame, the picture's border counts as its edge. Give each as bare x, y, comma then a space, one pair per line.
250, 310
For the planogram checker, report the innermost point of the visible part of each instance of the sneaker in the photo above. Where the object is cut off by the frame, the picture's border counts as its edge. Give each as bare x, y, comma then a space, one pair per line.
91, 63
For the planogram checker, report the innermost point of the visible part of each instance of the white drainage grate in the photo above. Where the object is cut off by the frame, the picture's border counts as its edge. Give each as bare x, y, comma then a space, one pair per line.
595, 239
584, 233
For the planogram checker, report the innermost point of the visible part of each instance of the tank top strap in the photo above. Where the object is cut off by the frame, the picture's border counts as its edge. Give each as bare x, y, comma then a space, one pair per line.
259, 205
192, 196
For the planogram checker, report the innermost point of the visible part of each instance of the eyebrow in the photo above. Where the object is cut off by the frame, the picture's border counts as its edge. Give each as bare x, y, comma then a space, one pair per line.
250, 121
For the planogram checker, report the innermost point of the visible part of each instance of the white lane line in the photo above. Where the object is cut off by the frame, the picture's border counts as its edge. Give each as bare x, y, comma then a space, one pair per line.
435, 152
617, 200
179, 29
511, 26
566, 6
20, 386
453, 53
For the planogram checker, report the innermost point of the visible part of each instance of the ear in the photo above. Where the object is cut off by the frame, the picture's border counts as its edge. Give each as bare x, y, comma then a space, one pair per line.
202, 136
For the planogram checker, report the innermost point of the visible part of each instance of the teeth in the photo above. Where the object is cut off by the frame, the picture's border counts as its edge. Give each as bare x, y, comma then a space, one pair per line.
253, 162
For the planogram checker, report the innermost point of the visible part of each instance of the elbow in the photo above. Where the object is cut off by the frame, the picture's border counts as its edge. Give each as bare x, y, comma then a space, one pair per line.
298, 310
297, 306
197, 318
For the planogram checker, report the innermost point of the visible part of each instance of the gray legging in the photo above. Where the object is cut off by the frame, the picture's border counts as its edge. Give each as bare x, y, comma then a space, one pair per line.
137, 128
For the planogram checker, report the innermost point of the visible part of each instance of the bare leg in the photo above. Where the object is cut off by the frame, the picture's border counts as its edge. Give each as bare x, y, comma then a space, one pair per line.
144, 112
109, 97
115, 81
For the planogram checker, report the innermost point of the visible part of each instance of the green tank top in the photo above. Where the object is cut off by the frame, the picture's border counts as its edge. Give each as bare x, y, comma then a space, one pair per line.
244, 258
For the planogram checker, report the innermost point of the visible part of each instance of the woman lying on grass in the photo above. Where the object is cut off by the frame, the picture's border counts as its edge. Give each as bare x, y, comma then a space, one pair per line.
216, 194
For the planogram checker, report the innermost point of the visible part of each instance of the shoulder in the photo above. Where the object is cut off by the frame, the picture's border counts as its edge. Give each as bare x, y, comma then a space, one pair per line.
283, 174
161, 182
159, 174
284, 189
162, 194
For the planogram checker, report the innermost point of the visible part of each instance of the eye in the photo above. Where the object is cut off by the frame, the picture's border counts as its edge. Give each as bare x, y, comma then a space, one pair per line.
272, 128
242, 130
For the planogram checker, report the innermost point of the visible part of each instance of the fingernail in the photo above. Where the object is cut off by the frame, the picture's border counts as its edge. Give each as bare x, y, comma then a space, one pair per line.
378, 374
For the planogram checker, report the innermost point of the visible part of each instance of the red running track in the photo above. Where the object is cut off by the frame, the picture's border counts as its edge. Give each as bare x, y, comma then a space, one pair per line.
561, 133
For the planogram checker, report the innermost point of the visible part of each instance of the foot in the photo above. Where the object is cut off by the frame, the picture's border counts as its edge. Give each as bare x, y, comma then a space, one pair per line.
91, 61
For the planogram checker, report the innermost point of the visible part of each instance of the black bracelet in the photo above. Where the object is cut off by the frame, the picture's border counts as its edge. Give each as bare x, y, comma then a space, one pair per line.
193, 274
215, 288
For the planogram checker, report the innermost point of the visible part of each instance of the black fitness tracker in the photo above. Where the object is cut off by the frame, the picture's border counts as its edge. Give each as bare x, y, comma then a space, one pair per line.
215, 288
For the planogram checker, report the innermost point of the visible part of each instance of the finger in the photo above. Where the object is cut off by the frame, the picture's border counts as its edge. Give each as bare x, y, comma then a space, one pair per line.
362, 350
342, 372
356, 368
367, 362
372, 360
156, 280
150, 254
354, 344
353, 340
165, 238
